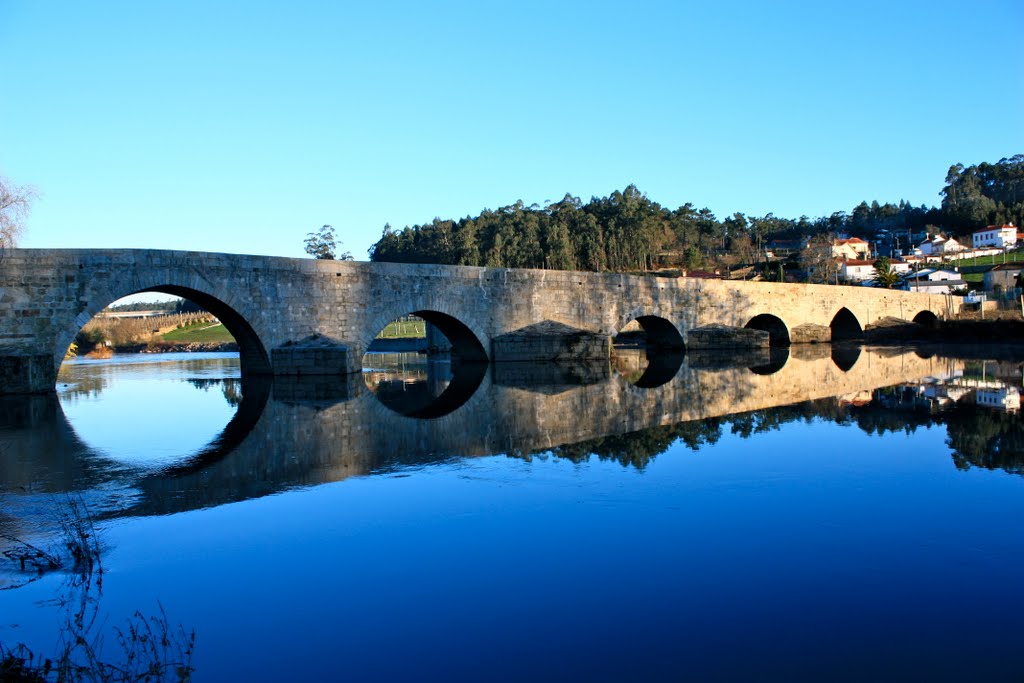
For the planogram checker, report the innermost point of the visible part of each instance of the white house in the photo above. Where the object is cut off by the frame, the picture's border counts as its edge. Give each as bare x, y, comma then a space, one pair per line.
856, 270
1003, 398
900, 266
933, 281
940, 246
995, 236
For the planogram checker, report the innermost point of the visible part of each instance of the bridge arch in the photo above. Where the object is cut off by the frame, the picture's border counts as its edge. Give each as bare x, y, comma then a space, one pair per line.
466, 343
778, 333
467, 367
926, 318
658, 333
253, 356
845, 326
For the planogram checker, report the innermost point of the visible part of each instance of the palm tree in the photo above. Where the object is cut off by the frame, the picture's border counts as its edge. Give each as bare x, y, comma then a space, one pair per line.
885, 276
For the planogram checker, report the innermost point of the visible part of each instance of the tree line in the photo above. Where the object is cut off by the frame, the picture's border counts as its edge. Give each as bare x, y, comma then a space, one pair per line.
628, 231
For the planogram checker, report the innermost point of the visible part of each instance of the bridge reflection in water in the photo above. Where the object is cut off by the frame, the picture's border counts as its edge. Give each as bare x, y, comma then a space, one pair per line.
296, 432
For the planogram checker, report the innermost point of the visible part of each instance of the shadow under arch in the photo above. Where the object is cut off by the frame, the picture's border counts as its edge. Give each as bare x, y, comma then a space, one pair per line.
465, 345
778, 333
845, 326
777, 359
661, 368
252, 355
662, 335
927, 319
466, 379
845, 356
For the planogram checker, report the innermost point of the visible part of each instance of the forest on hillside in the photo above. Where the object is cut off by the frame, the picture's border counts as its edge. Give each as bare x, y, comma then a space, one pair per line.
628, 231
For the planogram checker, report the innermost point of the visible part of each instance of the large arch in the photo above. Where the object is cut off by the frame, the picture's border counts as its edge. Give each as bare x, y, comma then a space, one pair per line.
778, 333
845, 326
253, 356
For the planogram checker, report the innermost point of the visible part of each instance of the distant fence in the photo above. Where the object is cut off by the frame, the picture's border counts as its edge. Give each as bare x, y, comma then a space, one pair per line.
995, 300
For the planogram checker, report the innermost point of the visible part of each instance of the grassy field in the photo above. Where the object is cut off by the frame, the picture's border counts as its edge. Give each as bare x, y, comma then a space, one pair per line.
993, 260
404, 329
202, 332
973, 269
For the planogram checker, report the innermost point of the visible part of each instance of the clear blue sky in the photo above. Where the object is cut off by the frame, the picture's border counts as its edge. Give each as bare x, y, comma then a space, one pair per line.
243, 126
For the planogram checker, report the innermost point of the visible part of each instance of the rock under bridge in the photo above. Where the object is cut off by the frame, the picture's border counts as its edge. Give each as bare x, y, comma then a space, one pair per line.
304, 316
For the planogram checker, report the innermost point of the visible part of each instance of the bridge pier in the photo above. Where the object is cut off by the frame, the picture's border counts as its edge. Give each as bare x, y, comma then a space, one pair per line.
27, 373
550, 341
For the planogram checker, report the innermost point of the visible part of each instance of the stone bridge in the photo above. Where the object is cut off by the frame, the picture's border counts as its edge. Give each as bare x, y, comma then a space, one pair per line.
303, 316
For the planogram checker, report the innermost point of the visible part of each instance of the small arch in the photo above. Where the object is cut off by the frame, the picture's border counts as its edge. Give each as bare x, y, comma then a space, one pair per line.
778, 333
662, 368
427, 389
927, 319
661, 334
661, 345
432, 376
465, 345
845, 326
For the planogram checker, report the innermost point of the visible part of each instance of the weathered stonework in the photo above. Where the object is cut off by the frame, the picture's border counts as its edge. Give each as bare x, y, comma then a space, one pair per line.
726, 337
314, 355
551, 341
549, 378
810, 333
26, 373
46, 296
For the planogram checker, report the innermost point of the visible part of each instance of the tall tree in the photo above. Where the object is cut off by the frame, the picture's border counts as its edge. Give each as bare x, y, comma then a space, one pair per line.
322, 245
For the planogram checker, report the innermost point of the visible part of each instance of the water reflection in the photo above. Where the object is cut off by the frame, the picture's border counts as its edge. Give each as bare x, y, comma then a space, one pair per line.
789, 515
302, 433
420, 385
107, 402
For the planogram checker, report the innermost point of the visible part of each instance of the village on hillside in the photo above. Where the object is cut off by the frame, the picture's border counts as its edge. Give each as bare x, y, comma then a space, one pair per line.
983, 265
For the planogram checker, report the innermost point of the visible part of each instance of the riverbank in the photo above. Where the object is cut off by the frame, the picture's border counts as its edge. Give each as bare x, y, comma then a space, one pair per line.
162, 347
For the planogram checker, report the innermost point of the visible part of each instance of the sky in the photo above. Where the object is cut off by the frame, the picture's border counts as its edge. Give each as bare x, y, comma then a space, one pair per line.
243, 126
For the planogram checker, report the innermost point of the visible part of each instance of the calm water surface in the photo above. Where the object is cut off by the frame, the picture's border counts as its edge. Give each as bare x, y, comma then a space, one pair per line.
809, 518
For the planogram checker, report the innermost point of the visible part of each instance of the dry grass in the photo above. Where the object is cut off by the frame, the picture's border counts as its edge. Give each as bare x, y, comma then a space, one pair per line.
101, 331
148, 647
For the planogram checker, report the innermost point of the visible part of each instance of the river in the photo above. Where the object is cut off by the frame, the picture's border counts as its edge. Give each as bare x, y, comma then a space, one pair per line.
848, 514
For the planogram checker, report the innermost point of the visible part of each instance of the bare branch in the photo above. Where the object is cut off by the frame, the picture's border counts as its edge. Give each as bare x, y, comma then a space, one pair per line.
15, 203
